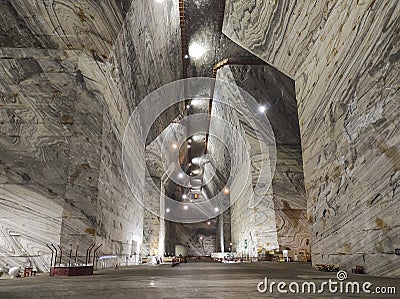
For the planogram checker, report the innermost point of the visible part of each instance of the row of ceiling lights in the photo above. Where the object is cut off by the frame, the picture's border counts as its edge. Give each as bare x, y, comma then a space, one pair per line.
197, 50
185, 207
225, 190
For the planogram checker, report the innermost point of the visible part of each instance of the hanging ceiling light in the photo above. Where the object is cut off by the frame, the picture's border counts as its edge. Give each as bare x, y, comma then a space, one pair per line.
199, 103
196, 171
196, 50
196, 160
199, 138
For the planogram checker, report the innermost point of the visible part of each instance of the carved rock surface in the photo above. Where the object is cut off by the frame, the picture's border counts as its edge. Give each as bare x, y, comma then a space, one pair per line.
344, 59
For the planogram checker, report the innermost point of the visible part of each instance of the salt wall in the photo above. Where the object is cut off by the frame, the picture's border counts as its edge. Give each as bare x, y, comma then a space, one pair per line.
279, 220
343, 57
63, 113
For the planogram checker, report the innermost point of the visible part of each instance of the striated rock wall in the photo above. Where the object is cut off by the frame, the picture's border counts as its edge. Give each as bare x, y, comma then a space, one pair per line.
276, 92
50, 155
146, 56
344, 59
151, 222
199, 238
279, 220
63, 115
155, 229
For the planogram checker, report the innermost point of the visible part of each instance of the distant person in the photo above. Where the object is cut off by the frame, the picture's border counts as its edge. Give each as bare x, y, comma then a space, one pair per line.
116, 267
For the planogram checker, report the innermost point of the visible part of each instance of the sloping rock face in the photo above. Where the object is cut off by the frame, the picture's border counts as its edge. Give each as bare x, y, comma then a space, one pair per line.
91, 26
67, 90
344, 59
